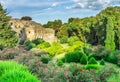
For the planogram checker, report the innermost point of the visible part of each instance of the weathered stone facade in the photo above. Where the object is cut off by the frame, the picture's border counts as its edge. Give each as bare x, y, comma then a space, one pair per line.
31, 30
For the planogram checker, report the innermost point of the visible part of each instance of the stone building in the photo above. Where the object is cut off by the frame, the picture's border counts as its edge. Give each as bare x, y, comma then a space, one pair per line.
30, 30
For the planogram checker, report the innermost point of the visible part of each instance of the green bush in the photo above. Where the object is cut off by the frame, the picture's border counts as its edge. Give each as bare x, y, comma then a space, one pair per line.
59, 62
92, 66
114, 78
13, 72
72, 39
29, 44
90, 56
45, 58
112, 58
77, 45
63, 39
38, 41
55, 48
43, 45
92, 61
84, 59
73, 56
102, 62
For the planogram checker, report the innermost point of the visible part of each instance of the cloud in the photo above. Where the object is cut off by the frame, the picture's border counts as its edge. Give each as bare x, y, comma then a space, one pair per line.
92, 4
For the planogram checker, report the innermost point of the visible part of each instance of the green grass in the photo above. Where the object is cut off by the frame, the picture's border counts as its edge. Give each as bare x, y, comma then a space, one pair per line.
11, 71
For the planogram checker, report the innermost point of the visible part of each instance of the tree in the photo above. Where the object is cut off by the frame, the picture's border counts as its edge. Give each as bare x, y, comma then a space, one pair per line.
26, 18
7, 36
110, 34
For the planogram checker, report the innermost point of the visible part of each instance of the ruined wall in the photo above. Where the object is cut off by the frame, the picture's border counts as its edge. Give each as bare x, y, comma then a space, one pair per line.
33, 30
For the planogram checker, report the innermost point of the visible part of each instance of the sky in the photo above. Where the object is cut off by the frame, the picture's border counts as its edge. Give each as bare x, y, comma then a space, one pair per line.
43, 11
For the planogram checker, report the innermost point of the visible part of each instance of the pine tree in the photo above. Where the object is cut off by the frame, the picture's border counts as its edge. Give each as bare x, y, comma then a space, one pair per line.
7, 36
110, 34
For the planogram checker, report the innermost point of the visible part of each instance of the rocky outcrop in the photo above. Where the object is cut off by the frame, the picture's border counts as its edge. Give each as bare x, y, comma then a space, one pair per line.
31, 30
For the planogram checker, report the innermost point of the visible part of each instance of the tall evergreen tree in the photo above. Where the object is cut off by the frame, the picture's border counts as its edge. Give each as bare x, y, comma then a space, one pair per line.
7, 36
110, 34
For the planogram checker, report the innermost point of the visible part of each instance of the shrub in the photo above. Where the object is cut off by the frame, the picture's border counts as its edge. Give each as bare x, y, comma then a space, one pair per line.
112, 58
13, 72
38, 41
90, 56
11, 53
92, 61
29, 44
100, 52
55, 48
78, 45
73, 56
72, 39
26, 18
43, 45
64, 39
114, 78
45, 58
106, 71
84, 59
59, 62
92, 66
102, 62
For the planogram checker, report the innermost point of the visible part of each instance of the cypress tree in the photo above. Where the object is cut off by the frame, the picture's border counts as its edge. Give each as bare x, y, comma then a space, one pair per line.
110, 34
7, 36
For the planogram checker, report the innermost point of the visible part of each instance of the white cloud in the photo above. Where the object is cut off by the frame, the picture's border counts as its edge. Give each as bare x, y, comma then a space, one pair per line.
92, 4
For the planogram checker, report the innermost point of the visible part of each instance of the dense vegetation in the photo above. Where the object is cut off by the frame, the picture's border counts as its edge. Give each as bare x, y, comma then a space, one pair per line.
7, 35
87, 51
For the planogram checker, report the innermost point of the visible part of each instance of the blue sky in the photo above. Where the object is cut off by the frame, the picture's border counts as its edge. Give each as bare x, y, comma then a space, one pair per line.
43, 11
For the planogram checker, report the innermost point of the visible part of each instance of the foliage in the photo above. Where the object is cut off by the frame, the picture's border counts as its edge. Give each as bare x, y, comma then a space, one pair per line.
84, 59
11, 53
8, 37
114, 78
72, 39
13, 72
63, 39
90, 55
59, 62
43, 45
26, 18
29, 44
45, 58
92, 66
110, 35
73, 56
92, 61
77, 45
55, 49
102, 62
38, 41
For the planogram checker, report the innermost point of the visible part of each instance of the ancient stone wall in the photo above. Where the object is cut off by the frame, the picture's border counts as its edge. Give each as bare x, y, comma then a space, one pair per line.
33, 30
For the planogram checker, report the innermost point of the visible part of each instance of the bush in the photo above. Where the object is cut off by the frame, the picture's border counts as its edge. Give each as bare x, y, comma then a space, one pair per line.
112, 58
64, 39
11, 53
102, 62
59, 62
29, 44
78, 45
114, 78
92, 61
84, 59
38, 41
92, 66
45, 58
55, 48
73, 56
90, 56
72, 39
100, 52
43, 45
13, 72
